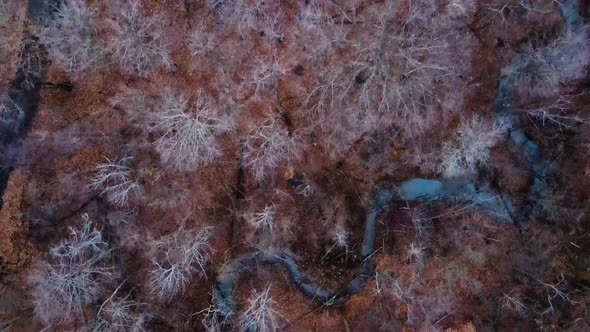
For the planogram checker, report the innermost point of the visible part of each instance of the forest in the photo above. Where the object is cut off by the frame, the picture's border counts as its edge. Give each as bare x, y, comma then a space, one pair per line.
294, 165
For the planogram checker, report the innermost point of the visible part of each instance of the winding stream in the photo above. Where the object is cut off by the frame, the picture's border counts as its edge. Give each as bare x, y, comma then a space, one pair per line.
424, 190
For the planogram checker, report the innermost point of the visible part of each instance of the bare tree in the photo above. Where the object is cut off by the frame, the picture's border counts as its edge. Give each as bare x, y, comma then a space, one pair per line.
475, 139
514, 302
555, 110
188, 131
73, 276
540, 70
391, 71
266, 72
322, 27
71, 37
509, 13
119, 314
176, 258
137, 42
555, 292
461, 8
250, 16
270, 146
264, 219
416, 254
216, 316
260, 314
113, 180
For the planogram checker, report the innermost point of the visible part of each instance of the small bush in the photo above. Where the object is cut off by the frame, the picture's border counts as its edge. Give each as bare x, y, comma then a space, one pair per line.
416, 254
73, 276
264, 219
419, 220
341, 238
176, 257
